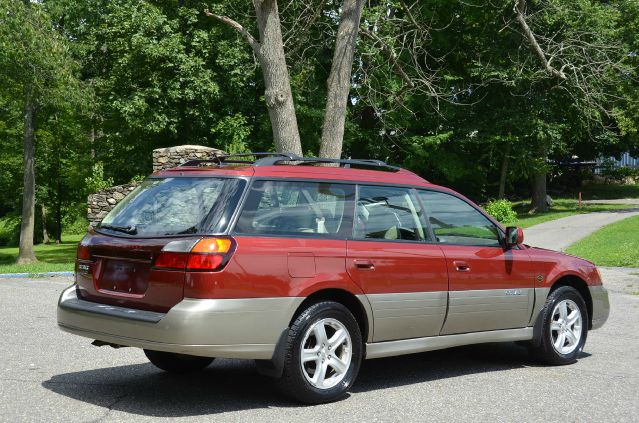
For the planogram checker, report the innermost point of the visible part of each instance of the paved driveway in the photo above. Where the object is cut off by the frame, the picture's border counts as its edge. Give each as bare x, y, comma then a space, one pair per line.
559, 234
47, 375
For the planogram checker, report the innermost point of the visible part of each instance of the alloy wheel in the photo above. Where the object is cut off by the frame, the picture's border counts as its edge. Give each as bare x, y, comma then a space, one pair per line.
326, 353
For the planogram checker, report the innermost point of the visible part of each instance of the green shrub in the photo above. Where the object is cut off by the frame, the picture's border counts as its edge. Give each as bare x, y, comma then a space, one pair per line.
502, 211
9, 230
78, 226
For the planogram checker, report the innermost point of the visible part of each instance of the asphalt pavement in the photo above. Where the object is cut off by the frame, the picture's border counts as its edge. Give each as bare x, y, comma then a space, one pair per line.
48, 375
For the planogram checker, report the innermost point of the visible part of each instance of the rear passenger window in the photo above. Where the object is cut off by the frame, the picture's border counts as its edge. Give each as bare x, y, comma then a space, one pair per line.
297, 208
454, 221
387, 213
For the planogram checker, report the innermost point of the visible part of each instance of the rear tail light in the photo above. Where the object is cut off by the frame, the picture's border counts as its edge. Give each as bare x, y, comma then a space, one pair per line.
205, 254
83, 252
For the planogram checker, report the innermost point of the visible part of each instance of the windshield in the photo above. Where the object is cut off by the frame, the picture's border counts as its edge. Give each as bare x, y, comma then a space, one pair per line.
175, 206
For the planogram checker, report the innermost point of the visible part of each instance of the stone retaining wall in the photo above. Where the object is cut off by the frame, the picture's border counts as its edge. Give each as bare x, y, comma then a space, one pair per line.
166, 158
101, 203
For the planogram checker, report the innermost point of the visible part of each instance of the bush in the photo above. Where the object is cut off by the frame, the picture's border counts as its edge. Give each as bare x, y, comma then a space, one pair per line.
9, 230
502, 211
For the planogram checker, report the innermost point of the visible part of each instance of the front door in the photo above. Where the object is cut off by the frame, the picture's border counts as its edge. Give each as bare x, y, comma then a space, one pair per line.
490, 287
405, 279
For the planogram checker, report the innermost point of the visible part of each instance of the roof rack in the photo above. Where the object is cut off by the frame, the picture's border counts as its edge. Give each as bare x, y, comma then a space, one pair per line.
272, 159
345, 163
224, 158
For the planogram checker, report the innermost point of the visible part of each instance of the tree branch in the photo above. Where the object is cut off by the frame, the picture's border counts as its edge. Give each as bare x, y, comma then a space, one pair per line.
520, 10
255, 45
390, 54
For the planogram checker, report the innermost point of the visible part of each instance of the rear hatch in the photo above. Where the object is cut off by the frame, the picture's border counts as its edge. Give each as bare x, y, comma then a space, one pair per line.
116, 261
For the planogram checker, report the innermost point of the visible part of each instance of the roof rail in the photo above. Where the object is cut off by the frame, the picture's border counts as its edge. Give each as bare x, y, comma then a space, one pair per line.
345, 163
272, 159
224, 158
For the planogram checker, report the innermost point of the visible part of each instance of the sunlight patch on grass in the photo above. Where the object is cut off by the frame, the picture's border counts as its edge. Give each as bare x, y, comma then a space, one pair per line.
51, 257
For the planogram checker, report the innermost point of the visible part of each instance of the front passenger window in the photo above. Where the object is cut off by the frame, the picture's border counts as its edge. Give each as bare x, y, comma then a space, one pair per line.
454, 221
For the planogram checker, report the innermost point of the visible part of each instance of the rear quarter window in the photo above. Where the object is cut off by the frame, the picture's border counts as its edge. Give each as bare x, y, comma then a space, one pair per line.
307, 209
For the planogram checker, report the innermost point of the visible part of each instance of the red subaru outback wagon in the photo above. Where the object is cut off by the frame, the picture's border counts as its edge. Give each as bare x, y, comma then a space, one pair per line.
310, 269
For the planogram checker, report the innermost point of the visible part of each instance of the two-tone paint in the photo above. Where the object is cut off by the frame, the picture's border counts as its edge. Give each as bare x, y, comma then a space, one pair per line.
409, 296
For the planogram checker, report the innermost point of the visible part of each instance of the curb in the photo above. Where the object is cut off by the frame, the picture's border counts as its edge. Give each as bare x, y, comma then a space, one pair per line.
34, 275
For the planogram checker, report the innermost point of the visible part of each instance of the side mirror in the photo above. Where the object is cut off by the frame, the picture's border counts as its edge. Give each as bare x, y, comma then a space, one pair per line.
514, 236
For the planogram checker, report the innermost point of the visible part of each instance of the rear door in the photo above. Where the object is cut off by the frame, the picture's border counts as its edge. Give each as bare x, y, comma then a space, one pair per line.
404, 277
490, 287
290, 235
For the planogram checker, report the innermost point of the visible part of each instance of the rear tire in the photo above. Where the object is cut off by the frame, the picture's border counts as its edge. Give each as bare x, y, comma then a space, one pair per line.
323, 354
177, 363
564, 327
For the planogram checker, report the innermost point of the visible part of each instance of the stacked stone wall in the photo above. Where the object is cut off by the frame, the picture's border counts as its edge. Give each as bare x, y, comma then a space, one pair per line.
101, 203
166, 158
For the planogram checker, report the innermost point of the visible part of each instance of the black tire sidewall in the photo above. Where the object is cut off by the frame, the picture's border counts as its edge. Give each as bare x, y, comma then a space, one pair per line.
557, 296
298, 386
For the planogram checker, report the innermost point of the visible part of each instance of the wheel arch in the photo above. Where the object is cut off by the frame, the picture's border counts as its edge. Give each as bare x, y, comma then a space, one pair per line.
358, 307
581, 286
357, 304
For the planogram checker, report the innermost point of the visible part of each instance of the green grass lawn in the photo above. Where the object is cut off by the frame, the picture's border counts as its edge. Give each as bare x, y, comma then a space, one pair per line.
52, 257
562, 207
613, 245
609, 192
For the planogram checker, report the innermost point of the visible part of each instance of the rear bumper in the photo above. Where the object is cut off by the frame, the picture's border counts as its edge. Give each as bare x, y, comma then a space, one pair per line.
600, 305
232, 328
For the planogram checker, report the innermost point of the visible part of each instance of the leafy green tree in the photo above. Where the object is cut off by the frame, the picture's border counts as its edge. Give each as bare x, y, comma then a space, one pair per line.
38, 69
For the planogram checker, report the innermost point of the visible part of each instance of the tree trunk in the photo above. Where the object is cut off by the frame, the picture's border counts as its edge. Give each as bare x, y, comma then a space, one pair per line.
339, 79
278, 95
538, 203
27, 224
504, 172
45, 233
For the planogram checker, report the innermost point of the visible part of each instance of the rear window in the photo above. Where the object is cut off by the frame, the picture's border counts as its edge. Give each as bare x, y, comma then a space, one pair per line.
175, 206
314, 209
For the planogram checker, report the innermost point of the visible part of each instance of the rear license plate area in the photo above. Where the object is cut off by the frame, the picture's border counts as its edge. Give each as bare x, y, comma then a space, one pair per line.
123, 277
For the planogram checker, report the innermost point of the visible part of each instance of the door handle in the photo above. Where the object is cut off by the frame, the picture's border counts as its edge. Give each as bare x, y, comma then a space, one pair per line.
364, 264
461, 266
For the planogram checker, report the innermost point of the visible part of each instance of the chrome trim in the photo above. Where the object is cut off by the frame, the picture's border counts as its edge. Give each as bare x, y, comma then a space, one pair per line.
407, 315
487, 310
600, 305
410, 346
232, 328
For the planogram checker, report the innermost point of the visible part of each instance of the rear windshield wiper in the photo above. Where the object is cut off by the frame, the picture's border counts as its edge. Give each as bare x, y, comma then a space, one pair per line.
131, 230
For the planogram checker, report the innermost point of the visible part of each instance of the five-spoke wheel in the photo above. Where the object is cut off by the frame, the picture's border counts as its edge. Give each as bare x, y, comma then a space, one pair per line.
326, 353
566, 327
323, 353
563, 327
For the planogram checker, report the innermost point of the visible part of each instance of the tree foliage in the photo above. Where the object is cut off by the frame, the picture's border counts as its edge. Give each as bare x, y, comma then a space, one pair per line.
456, 91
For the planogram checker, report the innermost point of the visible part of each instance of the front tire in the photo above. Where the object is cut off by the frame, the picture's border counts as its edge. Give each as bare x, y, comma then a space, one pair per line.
323, 354
564, 327
177, 363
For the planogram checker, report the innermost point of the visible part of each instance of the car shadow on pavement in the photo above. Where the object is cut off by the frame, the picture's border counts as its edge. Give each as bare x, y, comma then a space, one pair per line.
231, 385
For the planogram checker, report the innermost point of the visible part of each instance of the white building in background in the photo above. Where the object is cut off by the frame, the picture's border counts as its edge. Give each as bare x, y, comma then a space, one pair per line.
626, 160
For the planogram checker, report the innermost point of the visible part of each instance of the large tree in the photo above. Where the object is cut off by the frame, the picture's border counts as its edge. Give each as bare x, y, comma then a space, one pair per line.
38, 68
269, 50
